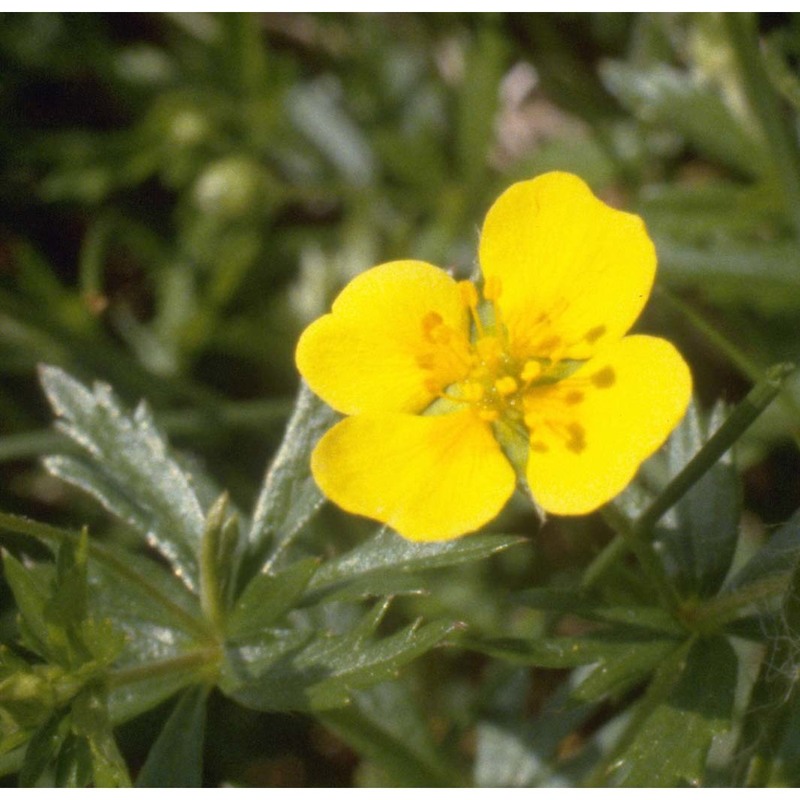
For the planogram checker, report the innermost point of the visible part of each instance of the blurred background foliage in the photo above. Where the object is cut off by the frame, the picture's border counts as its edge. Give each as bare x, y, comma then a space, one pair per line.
180, 194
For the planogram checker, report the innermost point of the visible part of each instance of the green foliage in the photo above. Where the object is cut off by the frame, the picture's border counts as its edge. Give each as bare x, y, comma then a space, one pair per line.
182, 194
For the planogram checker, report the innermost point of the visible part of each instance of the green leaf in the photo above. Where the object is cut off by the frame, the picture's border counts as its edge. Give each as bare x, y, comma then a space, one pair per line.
42, 749
573, 601
697, 536
671, 745
30, 595
613, 677
477, 103
321, 671
132, 472
385, 725
176, 757
604, 648
386, 554
268, 597
665, 97
315, 111
290, 497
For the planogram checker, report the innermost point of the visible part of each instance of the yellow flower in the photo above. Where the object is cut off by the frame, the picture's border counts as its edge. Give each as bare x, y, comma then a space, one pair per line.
452, 393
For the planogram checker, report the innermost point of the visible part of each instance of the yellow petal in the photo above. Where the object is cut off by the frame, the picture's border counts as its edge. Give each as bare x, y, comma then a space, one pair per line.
590, 432
365, 355
573, 272
429, 477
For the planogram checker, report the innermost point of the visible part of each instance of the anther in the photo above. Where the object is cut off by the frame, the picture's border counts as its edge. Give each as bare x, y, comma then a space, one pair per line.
473, 392
531, 371
505, 386
430, 322
469, 294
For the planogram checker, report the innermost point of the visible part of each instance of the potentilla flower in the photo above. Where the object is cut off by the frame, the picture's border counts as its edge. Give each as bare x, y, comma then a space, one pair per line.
454, 391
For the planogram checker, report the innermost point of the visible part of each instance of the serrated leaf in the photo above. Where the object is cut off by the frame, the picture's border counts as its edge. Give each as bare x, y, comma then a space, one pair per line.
386, 554
672, 744
290, 497
268, 597
665, 97
697, 537
176, 757
130, 455
320, 672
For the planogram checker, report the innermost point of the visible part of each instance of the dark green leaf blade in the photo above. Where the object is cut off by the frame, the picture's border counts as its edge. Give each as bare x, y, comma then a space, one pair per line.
672, 744
176, 757
268, 597
697, 537
386, 554
132, 456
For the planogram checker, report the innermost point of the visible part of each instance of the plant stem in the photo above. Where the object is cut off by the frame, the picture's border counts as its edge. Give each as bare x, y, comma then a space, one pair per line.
635, 535
743, 416
645, 555
194, 659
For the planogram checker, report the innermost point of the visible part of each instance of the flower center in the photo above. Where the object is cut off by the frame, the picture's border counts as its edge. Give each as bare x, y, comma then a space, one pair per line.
480, 370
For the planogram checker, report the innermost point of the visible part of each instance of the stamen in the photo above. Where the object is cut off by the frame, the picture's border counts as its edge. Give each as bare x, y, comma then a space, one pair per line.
505, 386
531, 372
473, 392
469, 294
469, 297
492, 288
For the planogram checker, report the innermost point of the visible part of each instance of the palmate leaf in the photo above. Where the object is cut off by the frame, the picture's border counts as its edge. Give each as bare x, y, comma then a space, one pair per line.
131, 473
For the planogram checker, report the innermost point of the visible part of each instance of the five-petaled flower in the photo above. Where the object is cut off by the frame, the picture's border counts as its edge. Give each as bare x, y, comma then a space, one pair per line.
453, 393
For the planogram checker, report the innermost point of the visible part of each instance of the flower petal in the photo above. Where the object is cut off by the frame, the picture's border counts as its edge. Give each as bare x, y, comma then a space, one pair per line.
590, 432
364, 356
428, 477
574, 273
